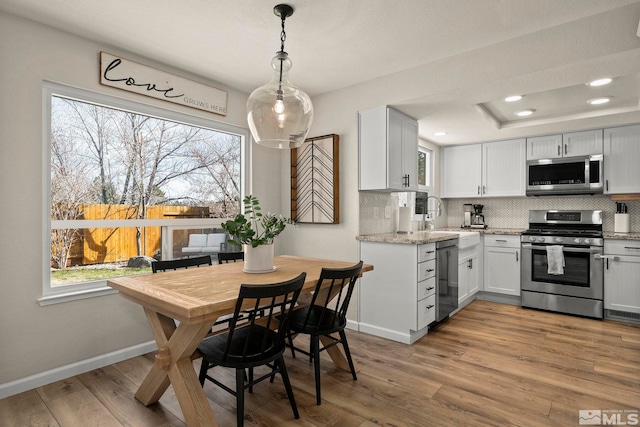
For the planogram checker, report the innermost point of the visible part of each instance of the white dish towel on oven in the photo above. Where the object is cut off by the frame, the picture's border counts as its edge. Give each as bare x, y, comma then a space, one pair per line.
555, 260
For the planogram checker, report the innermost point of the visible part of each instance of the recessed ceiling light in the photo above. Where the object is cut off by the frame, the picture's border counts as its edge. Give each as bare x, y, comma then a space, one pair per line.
598, 101
514, 98
600, 82
440, 133
524, 113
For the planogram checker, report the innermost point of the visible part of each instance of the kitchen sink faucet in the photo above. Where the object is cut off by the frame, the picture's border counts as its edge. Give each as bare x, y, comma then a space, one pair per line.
425, 211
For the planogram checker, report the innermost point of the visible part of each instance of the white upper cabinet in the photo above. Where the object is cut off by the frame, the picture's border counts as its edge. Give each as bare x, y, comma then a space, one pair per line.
621, 160
544, 147
504, 168
493, 169
566, 145
462, 171
388, 150
582, 143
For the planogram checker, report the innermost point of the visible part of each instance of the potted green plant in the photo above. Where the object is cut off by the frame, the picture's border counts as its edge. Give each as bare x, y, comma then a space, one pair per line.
256, 232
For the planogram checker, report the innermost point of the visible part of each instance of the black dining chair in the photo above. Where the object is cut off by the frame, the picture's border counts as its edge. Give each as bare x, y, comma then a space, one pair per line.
226, 257
175, 264
326, 315
254, 343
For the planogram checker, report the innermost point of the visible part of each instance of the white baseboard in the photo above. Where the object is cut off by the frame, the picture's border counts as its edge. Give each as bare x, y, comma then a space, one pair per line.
352, 324
47, 377
389, 334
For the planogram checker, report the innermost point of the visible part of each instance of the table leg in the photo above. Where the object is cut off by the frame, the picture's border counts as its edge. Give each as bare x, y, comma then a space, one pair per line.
337, 356
173, 366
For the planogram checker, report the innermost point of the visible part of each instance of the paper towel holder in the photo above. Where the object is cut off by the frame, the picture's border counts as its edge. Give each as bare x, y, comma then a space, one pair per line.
404, 219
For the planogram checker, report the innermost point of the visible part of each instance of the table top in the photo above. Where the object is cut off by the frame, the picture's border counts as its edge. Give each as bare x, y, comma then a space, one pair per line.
202, 294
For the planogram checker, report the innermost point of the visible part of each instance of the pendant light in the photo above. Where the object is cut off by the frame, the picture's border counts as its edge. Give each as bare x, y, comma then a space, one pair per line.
279, 113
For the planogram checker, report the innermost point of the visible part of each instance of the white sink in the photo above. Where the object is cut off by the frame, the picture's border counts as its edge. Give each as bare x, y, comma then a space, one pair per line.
467, 238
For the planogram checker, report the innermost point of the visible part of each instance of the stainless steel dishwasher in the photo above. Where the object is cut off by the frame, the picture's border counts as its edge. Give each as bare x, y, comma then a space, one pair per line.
446, 278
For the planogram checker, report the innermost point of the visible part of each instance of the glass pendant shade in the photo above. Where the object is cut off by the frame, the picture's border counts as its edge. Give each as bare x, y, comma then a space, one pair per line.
279, 114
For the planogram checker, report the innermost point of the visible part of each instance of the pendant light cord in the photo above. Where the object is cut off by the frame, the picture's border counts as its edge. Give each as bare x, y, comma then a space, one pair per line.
283, 37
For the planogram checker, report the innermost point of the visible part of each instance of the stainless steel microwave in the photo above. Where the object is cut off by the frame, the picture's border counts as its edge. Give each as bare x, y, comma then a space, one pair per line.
565, 176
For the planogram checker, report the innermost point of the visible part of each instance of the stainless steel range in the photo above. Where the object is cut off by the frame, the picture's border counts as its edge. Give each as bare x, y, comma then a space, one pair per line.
562, 268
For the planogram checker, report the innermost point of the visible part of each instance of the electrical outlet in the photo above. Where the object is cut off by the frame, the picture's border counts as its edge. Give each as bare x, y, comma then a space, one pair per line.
376, 212
387, 211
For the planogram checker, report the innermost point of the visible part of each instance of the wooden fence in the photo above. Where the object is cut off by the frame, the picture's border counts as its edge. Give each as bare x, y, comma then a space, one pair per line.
105, 245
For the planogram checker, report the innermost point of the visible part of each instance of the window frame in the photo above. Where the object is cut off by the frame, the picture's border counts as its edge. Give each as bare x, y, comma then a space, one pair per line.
58, 294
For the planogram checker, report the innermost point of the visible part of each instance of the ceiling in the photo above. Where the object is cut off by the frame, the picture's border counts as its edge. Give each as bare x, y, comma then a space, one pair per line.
453, 61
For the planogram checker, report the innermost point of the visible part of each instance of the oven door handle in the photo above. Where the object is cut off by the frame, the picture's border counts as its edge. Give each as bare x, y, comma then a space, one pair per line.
564, 249
611, 257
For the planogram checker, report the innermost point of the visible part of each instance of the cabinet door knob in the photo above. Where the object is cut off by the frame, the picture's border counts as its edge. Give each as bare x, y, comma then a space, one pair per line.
430, 288
429, 270
478, 190
430, 307
566, 151
559, 152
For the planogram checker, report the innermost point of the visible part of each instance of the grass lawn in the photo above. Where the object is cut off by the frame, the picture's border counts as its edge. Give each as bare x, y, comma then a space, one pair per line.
80, 274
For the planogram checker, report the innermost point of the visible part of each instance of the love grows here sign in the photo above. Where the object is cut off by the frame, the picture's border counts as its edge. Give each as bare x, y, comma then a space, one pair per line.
133, 77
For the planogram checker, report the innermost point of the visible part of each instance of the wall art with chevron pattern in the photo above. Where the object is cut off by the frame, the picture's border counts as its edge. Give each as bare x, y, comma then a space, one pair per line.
315, 195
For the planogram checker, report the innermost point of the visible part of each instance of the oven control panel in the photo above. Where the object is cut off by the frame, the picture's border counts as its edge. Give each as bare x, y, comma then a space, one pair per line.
562, 240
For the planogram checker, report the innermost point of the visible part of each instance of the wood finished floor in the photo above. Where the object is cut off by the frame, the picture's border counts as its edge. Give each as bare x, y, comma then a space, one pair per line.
490, 365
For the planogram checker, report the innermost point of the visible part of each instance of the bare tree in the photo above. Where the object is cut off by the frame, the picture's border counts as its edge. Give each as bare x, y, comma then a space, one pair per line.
157, 154
220, 159
68, 193
94, 124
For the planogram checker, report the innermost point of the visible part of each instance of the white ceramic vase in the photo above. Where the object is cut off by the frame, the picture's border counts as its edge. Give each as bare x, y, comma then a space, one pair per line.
258, 260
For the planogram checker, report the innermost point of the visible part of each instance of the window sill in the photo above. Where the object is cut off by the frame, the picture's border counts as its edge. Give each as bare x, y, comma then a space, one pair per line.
74, 295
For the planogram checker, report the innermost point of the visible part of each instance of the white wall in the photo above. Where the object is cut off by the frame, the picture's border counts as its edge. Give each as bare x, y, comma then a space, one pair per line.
35, 339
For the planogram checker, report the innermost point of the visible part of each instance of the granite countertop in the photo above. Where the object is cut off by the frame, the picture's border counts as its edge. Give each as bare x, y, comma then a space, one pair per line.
505, 231
415, 238
421, 237
621, 236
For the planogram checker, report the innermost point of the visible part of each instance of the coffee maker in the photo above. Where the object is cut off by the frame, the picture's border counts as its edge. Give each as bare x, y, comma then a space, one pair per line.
477, 219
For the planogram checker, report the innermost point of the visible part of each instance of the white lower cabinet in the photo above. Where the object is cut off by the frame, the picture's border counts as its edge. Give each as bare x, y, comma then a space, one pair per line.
502, 264
621, 273
469, 268
397, 298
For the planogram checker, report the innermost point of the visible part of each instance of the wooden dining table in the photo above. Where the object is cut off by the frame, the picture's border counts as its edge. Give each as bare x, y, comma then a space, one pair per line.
195, 298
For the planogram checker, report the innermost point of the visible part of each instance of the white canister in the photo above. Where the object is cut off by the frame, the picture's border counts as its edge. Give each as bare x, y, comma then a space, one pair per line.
621, 223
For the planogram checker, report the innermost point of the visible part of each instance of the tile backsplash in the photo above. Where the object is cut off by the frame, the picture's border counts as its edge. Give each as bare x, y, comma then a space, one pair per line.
498, 212
372, 212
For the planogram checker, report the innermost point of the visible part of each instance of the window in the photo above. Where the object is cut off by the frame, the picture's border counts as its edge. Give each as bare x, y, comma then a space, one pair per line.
422, 204
424, 169
125, 180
